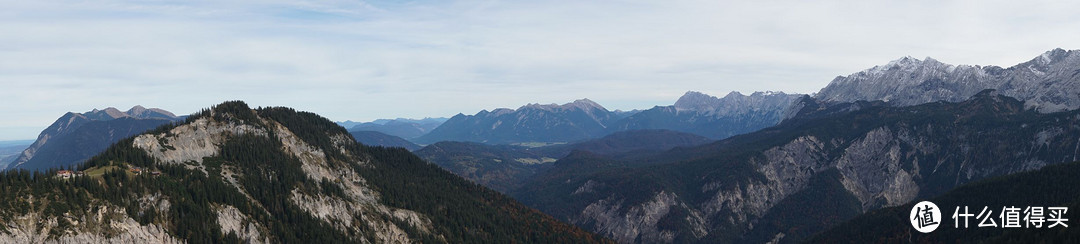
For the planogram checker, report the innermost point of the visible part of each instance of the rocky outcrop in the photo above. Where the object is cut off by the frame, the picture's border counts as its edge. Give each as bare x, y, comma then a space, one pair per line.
107, 225
631, 223
192, 142
874, 170
233, 221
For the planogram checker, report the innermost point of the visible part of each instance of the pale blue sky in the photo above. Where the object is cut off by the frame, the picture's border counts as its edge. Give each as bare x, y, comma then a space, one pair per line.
363, 60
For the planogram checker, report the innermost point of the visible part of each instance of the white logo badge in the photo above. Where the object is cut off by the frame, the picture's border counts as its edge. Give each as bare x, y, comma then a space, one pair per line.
925, 217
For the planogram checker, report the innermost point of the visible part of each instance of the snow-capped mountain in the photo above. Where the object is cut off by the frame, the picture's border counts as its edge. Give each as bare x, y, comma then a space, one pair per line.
1047, 83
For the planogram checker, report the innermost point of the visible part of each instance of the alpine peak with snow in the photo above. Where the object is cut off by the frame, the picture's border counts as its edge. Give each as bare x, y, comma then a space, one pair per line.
1047, 83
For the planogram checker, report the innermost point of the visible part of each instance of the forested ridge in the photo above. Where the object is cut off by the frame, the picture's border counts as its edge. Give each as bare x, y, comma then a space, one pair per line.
185, 201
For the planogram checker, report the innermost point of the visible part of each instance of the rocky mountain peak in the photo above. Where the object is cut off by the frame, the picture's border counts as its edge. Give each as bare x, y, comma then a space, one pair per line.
149, 113
732, 102
539, 106
137, 109
1055, 55
584, 104
906, 65
733, 94
109, 113
904, 61
1059, 59
698, 101
534, 122
912, 61
138, 112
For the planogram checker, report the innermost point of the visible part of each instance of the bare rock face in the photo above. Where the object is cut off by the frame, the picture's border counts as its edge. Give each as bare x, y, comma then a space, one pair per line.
191, 142
786, 170
33, 228
232, 220
873, 171
633, 223
549, 123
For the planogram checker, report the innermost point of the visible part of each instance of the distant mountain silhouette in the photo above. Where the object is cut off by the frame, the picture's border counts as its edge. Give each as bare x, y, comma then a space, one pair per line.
580, 120
404, 128
375, 138
75, 137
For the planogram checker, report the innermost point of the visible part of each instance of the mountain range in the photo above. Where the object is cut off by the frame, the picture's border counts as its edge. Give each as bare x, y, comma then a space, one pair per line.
579, 120
761, 186
694, 112
270, 175
785, 168
75, 137
1047, 83
861, 141
713, 117
404, 128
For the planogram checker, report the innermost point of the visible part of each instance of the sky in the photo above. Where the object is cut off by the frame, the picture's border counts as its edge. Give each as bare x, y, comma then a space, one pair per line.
365, 60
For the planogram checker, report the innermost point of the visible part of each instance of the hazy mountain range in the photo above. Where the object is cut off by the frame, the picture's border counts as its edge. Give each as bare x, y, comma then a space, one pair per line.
583, 119
713, 117
75, 137
400, 127
578, 120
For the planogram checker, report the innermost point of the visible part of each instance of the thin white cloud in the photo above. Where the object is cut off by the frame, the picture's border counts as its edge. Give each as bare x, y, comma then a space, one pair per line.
363, 60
